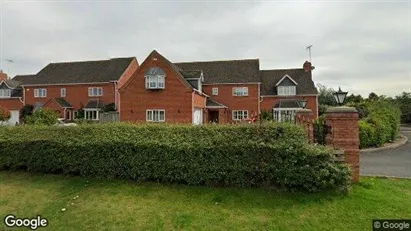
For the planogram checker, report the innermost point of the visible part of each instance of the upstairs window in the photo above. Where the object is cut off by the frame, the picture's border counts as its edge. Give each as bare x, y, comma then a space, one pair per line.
240, 91
5, 93
63, 92
215, 91
286, 90
155, 78
95, 91
40, 93
155, 115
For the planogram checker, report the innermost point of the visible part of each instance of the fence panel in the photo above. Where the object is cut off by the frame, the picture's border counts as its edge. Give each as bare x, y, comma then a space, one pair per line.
107, 117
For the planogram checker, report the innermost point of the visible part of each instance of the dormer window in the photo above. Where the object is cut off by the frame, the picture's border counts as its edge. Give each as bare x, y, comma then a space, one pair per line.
5, 93
286, 90
286, 86
155, 78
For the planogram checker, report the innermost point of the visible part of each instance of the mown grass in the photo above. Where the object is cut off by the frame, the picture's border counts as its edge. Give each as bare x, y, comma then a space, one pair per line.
124, 205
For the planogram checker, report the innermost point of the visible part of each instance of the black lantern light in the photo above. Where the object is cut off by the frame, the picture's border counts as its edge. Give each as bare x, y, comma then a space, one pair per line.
303, 103
340, 96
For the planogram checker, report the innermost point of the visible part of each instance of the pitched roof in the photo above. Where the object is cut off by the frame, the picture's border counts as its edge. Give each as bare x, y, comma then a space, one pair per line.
191, 74
62, 102
94, 104
287, 103
80, 72
231, 71
11, 83
23, 78
213, 103
269, 78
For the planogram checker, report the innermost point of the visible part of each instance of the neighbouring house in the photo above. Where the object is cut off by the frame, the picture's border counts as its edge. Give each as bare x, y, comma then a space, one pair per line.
11, 97
73, 87
213, 91
159, 91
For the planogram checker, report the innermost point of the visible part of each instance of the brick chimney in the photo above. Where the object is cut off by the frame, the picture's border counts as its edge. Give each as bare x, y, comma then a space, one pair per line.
308, 67
3, 76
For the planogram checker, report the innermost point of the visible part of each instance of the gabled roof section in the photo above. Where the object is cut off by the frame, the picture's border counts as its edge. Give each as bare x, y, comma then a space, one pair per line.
192, 74
286, 76
94, 104
214, 104
230, 71
157, 55
60, 101
12, 84
99, 71
269, 79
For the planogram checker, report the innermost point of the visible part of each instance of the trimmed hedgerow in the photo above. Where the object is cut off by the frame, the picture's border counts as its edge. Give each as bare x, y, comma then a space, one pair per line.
232, 155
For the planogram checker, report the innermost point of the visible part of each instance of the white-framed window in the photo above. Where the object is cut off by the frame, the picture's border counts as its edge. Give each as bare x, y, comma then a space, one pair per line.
240, 114
63, 92
240, 91
286, 90
95, 91
91, 114
155, 82
5, 93
156, 115
40, 93
215, 91
284, 114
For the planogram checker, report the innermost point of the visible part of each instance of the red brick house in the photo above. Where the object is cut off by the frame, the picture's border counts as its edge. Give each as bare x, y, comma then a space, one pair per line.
213, 91
72, 86
11, 97
161, 92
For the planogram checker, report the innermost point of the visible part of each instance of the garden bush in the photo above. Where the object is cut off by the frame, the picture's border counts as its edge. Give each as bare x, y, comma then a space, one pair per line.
381, 123
228, 155
42, 117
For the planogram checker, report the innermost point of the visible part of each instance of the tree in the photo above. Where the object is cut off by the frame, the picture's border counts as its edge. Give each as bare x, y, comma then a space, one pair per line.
4, 114
42, 117
354, 99
373, 97
404, 101
325, 95
26, 110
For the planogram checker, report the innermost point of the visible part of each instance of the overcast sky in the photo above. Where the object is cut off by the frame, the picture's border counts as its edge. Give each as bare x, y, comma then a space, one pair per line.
358, 45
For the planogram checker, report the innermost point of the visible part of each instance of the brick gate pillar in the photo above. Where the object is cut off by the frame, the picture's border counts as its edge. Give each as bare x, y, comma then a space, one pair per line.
344, 133
305, 118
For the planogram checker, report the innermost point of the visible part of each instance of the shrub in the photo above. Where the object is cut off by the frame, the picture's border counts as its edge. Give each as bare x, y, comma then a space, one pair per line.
42, 117
26, 110
381, 124
229, 155
266, 115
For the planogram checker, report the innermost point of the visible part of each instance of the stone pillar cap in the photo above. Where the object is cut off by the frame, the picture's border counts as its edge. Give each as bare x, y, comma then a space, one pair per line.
341, 109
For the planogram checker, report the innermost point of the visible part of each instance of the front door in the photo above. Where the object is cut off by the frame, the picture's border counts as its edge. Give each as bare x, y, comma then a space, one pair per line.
213, 115
197, 116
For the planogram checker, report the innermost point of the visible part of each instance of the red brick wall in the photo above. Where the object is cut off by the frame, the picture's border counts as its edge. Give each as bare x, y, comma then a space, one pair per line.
225, 96
76, 95
268, 102
11, 104
175, 99
199, 101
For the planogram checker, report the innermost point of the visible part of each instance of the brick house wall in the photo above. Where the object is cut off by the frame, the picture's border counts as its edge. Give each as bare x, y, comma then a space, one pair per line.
11, 103
176, 98
269, 101
226, 97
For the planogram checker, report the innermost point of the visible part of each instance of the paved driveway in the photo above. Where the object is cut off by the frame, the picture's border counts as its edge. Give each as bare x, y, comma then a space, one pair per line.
393, 162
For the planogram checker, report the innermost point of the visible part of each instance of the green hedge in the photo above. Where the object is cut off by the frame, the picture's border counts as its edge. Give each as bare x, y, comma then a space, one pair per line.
234, 155
381, 124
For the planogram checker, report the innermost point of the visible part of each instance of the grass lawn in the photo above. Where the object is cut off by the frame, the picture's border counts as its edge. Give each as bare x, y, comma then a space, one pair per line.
123, 205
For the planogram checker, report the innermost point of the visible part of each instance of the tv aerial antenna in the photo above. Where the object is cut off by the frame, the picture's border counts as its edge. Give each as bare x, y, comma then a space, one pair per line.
309, 51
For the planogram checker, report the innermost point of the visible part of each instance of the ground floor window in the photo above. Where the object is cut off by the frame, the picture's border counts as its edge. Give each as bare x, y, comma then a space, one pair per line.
240, 114
91, 114
284, 115
156, 115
